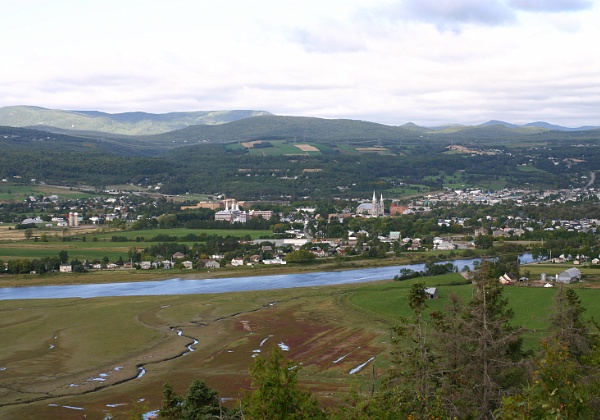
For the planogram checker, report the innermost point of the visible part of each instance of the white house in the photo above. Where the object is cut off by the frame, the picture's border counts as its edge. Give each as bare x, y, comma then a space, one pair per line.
445, 246
212, 264
65, 268
432, 292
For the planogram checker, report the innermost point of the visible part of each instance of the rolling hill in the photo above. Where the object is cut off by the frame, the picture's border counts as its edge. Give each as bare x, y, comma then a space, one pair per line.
128, 123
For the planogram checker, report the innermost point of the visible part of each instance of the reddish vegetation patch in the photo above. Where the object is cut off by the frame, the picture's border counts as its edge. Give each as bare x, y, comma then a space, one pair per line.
316, 337
316, 346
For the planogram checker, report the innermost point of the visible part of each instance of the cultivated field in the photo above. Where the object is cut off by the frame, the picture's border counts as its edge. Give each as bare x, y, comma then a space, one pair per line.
66, 358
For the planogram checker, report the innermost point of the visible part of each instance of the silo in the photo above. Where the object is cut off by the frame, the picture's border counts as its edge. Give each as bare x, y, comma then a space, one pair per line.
543, 277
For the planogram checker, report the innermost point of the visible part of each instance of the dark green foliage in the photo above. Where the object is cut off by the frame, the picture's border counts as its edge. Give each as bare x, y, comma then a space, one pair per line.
301, 256
568, 325
200, 403
409, 389
191, 167
276, 393
460, 365
556, 392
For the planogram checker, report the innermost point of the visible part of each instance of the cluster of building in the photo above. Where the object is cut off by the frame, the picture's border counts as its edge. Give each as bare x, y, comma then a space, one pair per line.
517, 195
233, 214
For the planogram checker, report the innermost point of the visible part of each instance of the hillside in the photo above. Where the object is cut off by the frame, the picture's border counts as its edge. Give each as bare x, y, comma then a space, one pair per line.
128, 123
300, 129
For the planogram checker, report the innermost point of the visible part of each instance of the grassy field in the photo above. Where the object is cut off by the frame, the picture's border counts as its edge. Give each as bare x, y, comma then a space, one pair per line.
85, 353
180, 232
531, 305
97, 244
19, 192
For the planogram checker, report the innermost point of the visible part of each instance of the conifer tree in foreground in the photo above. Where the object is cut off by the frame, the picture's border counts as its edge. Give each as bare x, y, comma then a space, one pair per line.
276, 393
481, 359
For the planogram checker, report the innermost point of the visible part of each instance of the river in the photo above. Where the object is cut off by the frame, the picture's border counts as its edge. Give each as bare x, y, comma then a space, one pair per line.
220, 285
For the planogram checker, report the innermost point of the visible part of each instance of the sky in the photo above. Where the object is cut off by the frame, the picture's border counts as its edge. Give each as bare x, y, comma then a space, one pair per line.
429, 62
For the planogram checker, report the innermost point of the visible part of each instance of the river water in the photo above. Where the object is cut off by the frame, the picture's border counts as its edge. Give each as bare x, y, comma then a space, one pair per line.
220, 285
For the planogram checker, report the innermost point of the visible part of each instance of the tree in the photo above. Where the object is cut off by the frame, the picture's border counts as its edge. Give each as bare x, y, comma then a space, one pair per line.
556, 391
172, 403
200, 403
28, 233
409, 390
276, 393
567, 323
63, 256
300, 256
481, 358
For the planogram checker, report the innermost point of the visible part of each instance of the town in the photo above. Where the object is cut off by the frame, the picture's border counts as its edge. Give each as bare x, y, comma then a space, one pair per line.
455, 221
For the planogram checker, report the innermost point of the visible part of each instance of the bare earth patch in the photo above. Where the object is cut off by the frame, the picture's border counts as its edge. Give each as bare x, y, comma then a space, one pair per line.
306, 147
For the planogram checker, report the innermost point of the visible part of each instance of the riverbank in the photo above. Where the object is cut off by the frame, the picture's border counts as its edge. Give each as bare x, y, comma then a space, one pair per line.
132, 275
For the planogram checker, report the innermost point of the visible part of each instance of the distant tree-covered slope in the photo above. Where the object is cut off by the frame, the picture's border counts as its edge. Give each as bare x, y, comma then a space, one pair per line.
299, 129
359, 133
127, 123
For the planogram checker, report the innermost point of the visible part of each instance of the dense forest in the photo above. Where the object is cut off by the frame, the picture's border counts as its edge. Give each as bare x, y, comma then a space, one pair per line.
340, 171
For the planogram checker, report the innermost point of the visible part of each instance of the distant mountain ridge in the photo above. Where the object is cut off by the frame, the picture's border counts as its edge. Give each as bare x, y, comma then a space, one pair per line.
126, 123
198, 125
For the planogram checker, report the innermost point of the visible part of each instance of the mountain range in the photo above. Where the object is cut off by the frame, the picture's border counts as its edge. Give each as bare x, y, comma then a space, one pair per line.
90, 123
127, 123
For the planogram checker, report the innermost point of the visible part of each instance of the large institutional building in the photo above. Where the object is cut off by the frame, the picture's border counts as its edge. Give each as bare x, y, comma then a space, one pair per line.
374, 208
233, 214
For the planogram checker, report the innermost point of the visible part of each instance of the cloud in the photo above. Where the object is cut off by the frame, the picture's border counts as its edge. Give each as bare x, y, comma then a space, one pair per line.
331, 40
551, 6
452, 14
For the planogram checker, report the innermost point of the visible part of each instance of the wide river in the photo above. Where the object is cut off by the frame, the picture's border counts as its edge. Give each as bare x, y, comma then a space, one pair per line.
219, 285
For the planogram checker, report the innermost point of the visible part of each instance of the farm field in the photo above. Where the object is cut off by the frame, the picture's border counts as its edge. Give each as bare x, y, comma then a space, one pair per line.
95, 243
19, 192
89, 353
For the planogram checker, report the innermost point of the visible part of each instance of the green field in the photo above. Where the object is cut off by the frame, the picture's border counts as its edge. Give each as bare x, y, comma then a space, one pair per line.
19, 192
98, 244
180, 233
531, 305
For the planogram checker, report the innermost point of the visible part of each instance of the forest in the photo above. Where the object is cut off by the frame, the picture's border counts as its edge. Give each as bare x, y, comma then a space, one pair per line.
336, 170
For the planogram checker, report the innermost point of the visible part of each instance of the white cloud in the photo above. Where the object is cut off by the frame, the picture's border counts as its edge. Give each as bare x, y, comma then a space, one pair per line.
388, 61
553, 6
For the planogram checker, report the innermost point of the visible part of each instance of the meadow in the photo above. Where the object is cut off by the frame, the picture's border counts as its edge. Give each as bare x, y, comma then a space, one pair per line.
95, 243
19, 192
69, 357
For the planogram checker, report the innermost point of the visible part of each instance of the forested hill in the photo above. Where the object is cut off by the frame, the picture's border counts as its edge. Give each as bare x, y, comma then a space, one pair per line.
300, 129
153, 133
127, 123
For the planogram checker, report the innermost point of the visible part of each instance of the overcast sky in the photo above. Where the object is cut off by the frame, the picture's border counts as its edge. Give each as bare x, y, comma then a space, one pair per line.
389, 61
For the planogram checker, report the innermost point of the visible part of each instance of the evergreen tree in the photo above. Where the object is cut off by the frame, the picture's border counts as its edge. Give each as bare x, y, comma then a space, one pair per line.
172, 403
409, 389
556, 391
481, 357
200, 403
276, 393
568, 325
